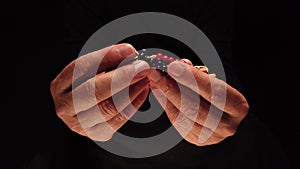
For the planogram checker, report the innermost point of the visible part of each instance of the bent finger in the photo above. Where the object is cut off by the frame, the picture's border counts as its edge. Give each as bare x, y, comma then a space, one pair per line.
187, 128
88, 65
109, 108
216, 91
105, 85
104, 131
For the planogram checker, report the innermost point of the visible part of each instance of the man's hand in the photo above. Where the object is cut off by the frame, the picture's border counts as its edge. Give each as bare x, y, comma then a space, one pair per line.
187, 103
95, 114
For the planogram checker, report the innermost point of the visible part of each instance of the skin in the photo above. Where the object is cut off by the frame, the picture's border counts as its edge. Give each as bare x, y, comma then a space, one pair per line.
100, 118
191, 121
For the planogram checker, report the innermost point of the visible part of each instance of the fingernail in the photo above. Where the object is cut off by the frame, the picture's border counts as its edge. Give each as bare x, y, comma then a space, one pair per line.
186, 61
126, 50
140, 67
155, 75
176, 69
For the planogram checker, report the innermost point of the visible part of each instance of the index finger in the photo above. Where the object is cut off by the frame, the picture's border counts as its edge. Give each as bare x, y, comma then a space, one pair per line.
216, 91
88, 65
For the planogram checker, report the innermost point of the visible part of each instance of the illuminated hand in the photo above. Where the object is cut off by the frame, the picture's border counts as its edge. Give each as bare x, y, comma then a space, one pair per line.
189, 96
94, 113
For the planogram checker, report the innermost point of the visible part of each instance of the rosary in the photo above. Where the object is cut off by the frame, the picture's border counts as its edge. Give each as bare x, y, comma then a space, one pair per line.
161, 62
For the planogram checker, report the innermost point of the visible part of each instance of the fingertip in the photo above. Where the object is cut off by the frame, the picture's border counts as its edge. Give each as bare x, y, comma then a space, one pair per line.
176, 69
126, 44
141, 67
154, 75
186, 61
125, 50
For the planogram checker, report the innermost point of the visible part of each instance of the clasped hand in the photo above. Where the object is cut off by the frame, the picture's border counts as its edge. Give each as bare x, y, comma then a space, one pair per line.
186, 96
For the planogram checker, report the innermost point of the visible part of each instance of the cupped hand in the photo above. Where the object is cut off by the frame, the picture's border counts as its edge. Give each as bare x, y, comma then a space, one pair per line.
84, 96
204, 109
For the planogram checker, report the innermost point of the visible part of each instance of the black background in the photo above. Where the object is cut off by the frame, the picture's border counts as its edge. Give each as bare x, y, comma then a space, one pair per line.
33, 30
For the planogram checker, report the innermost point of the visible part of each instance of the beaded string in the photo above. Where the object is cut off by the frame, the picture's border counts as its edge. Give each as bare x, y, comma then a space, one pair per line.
161, 61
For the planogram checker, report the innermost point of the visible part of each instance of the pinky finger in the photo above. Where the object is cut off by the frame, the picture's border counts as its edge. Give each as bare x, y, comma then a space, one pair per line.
104, 131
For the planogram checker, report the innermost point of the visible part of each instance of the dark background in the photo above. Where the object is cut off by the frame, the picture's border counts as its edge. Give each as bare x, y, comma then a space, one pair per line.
33, 35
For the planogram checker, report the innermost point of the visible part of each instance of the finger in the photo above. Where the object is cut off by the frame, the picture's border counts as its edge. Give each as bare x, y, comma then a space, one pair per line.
88, 65
189, 104
105, 85
104, 131
186, 61
109, 108
185, 100
214, 90
194, 107
188, 129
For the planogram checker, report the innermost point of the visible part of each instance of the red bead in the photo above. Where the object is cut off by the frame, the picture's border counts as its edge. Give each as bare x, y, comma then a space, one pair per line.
165, 58
159, 55
171, 59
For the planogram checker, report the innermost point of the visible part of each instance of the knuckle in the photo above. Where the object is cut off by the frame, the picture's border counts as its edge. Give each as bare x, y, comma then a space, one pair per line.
179, 119
120, 118
190, 109
227, 126
184, 122
61, 111
230, 131
244, 107
90, 90
60, 114
241, 107
81, 66
218, 92
192, 138
108, 108
74, 126
127, 71
53, 86
63, 108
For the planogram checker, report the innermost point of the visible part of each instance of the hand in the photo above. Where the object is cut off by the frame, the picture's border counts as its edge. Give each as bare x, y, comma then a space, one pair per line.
96, 114
187, 103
